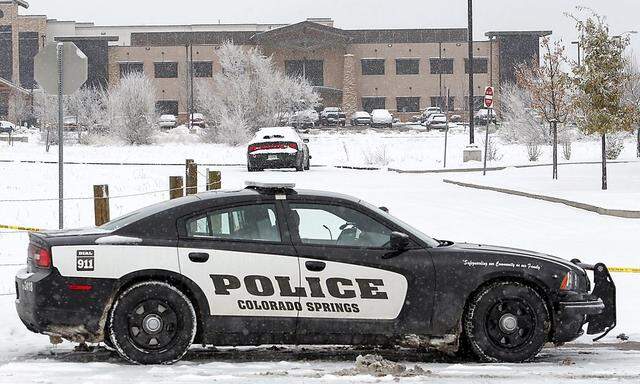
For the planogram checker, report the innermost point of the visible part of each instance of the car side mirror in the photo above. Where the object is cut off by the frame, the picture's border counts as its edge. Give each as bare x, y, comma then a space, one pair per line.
305, 140
399, 241
384, 209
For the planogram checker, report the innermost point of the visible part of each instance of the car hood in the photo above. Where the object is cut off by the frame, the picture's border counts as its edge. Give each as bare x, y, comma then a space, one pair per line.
498, 250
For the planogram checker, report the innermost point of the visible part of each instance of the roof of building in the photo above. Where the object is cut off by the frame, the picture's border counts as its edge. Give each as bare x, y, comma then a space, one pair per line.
21, 3
10, 84
517, 33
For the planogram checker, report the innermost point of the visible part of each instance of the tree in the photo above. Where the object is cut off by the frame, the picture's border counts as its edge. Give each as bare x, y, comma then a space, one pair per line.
132, 109
600, 80
249, 93
88, 105
550, 89
20, 108
45, 110
632, 92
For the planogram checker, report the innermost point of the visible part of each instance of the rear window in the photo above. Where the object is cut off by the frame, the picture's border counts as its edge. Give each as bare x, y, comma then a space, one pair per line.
145, 212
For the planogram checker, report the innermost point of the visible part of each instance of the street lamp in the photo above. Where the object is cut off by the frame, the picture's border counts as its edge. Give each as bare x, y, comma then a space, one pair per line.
578, 44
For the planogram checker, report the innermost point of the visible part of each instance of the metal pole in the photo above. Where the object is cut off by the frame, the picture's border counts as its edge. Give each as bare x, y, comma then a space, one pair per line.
191, 80
440, 103
578, 53
446, 131
486, 141
555, 149
470, 46
60, 140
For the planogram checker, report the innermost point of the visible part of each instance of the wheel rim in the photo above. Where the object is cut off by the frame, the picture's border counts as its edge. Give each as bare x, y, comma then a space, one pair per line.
152, 325
510, 323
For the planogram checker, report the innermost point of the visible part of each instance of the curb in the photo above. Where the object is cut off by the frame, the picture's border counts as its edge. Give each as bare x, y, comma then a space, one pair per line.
587, 207
501, 168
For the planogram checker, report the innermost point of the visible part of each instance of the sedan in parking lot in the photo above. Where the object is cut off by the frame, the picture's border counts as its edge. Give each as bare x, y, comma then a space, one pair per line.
167, 121
381, 118
436, 121
278, 147
360, 118
7, 127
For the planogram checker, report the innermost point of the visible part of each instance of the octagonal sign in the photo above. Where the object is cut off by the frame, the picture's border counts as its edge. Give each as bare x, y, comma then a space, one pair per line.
74, 68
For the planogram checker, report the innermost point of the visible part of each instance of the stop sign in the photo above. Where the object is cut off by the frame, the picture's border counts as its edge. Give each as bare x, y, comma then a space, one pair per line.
74, 68
488, 97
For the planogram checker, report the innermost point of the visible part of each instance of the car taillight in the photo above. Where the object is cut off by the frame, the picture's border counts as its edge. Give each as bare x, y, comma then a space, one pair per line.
293, 145
266, 146
253, 148
42, 257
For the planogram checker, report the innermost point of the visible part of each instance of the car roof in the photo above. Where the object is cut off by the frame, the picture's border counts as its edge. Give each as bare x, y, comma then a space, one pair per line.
288, 133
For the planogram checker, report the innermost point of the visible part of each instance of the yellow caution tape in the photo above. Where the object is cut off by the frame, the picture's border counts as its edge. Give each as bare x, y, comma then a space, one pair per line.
624, 269
19, 228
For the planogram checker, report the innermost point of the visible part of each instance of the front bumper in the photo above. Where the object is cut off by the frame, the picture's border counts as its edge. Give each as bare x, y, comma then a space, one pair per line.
598, 308
45, 304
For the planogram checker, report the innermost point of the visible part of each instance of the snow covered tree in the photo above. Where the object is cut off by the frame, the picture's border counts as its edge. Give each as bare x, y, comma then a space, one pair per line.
88, 105
132, 109
549, 87
45, 110
520, 122
632, 92
20, 108
249, 92
601, 80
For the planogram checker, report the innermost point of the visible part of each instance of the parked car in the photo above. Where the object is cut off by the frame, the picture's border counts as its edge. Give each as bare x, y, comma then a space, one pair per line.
293, 266
436, 121
308, 118
333, 116
70, 123
428, 112
7, 127
197, 120
278, 147
381, 118
168, 121
484, 116
360, 118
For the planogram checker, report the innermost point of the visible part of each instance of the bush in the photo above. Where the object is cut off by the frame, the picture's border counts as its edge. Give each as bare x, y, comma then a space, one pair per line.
492, 150
614, 145
376, 156
534, 151
132, 107
566, 150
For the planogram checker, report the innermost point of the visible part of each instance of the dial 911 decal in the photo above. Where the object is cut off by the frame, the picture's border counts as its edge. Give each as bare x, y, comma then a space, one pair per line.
85, 260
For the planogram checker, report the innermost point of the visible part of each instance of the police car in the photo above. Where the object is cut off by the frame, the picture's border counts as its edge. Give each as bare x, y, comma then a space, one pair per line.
272, 264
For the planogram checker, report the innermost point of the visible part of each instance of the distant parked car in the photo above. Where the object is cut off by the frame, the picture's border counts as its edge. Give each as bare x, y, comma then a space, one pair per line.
167, 121
197, 120
428, 112
308, 118
484, 116
436, 121
278, 147
361, 118
333, 116
7, 127
70, 123
381, 118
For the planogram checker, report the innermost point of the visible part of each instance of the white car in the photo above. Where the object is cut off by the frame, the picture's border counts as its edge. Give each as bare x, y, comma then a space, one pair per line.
278, 147
7, 127
197, 120
308, 118
167, 121
436, 121
360, 118
428, 112
381, 118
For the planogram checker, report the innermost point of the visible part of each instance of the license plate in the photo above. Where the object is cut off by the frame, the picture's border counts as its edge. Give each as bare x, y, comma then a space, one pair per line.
272, 157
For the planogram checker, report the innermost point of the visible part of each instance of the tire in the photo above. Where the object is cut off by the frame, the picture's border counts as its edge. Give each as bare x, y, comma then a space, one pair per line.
308, 165
506, 322
300, 167
143, 307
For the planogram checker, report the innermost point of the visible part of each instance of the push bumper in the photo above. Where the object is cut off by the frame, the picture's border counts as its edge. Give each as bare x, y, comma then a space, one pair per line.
598, 308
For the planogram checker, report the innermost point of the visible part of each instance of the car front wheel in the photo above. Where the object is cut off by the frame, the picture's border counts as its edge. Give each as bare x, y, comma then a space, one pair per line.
152, 322
506, 321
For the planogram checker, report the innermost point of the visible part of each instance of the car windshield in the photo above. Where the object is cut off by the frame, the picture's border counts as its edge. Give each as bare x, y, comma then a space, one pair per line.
431, 242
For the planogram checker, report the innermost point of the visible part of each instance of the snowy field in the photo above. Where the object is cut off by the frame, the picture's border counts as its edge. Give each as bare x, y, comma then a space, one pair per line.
442, 210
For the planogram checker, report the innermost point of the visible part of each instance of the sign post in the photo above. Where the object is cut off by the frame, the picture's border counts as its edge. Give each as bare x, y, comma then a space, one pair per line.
60, 69
488, 104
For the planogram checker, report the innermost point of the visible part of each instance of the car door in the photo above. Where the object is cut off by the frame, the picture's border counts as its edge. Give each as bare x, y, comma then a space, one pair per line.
244, 262
357, 287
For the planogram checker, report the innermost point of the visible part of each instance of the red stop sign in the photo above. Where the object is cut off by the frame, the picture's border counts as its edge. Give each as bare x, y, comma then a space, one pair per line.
488, 97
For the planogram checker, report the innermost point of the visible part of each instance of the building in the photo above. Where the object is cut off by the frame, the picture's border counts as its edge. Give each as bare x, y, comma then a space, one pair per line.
403, 70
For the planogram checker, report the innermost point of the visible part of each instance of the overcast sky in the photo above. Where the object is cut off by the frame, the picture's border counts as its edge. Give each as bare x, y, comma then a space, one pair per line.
488, 14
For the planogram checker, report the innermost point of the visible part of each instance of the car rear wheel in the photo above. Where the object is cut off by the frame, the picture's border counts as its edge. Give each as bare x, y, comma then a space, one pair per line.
152, 322
308, 165
506, 321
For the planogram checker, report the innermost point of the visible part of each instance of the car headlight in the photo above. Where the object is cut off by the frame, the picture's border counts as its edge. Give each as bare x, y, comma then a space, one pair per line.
569, 282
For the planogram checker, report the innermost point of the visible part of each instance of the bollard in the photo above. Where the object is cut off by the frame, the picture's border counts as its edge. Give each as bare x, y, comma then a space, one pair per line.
214, 180
191, 177
101, 204
175, 187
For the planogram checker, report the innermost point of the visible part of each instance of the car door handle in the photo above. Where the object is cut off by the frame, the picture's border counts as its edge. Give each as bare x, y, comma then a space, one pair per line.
199, 257
315, 266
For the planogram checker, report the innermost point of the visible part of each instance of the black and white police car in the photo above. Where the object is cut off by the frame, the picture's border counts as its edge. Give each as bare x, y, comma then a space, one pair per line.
272, 264
278, 147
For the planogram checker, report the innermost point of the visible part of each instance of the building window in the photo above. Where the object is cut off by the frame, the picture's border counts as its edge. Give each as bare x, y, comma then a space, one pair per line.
372, 66
371, 103
407, 66
441, 66
312, 70
437, 101
203, 69
478, 103
167, 107
127, 68
166, 70
480, 65
408, 104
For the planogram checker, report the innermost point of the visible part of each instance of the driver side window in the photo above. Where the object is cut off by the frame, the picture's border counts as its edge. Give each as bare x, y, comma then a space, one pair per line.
319, 224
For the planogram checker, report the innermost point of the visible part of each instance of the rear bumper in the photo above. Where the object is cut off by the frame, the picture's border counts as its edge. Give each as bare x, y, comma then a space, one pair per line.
46, 304
598, 308
274, 160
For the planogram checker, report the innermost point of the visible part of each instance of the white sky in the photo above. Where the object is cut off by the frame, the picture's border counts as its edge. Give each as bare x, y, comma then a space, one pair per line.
488, 14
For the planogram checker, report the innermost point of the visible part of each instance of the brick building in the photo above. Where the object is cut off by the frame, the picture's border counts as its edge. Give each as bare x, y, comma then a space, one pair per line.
403, 70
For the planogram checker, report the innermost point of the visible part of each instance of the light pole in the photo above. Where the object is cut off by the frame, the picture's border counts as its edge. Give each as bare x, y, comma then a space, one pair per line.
577, 43
470, 52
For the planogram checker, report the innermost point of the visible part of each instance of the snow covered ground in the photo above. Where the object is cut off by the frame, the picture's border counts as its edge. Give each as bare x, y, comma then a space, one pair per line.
442, 210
